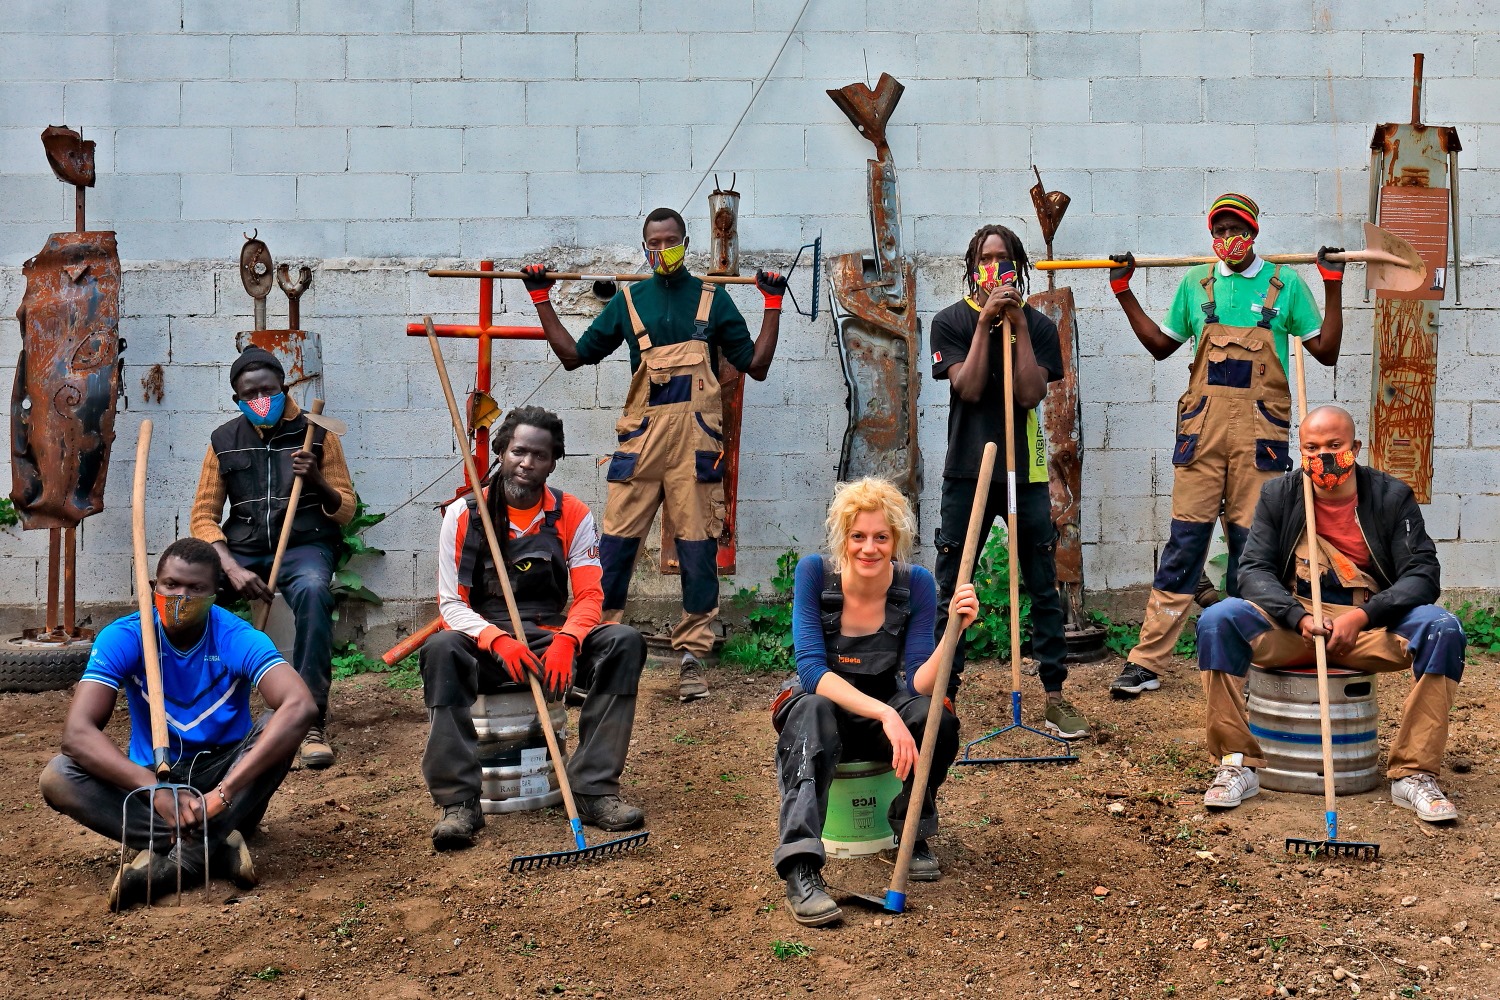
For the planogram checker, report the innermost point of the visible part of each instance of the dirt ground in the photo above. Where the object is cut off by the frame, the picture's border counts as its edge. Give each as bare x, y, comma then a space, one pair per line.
1103, 878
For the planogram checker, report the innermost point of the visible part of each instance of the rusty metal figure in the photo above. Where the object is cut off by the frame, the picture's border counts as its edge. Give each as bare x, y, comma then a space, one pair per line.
68, 378
1409, 166
875, 312
1062, 422
299, 351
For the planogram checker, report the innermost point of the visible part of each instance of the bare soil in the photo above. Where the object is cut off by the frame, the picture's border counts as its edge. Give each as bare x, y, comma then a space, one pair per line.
1100, 878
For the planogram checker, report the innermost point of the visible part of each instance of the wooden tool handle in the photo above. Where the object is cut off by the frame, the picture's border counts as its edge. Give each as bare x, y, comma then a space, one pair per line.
896, 895
1009, 402
1356, 256
518, 629
1315, 584
263, 610
717, 279
146, 605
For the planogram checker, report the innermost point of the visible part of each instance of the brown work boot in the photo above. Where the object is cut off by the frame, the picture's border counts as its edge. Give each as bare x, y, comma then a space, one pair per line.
690, 683
232, 860
608, 812
316, 752
460, 822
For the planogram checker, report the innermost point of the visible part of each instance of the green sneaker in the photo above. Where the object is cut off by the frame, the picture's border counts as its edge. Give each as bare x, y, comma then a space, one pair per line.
1065, 720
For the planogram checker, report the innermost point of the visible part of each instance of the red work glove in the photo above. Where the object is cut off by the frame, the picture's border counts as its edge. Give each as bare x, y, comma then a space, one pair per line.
1119, 277
516, 657
557, 665
1331, 270
538, 286
772, 285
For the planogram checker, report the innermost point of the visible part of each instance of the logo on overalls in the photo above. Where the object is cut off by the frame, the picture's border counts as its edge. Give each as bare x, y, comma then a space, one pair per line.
524, 566
849, 659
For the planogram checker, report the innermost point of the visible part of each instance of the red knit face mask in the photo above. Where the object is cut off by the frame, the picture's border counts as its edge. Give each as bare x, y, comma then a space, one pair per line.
1329, 470
1233, 249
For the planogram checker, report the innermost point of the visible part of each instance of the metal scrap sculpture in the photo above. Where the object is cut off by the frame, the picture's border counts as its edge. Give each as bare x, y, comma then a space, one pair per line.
1409, 166
299, 351
874, 302
62, 412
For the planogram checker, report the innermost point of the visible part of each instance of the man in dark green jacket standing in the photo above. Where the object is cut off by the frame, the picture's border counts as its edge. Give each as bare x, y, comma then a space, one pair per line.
670, 434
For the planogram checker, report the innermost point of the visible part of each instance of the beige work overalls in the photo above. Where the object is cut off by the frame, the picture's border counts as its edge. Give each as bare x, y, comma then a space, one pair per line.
671, 449
1232, 426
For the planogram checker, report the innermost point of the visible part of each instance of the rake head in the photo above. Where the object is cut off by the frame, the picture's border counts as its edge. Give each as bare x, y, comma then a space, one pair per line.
817, 277
1066, 757
556, 859
1333, 848
179, 791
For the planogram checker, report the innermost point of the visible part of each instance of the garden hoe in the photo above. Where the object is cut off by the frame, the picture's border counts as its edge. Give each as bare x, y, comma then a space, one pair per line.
816, 246
315, 419
1332, 846
581, 852
1067, 755
1390, 262
151, 652
894, 900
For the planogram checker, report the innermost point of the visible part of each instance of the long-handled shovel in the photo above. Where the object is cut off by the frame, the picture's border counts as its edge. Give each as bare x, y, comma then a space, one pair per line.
582, 851
1015, 592
151, 654
1390, 262
1332, 845
894, 900
315, 419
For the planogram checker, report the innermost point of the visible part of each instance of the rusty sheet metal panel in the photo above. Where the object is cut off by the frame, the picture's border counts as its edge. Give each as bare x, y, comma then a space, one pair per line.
1410, 193
301, 355
62, 414
875, 315
724, 218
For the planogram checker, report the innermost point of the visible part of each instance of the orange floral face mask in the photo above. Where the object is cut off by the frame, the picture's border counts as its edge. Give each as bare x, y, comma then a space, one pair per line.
1329, 470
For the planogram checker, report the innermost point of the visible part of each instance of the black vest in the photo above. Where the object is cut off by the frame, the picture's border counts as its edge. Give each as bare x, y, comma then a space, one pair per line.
875, 663
257, 474
538, 570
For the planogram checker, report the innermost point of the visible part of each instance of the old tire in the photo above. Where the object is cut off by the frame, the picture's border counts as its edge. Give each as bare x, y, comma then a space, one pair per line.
31, 667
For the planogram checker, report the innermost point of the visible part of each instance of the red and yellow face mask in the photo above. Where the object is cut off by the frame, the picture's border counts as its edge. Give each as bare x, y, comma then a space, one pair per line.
179, 611
994, 274
1329, 470
1233, 249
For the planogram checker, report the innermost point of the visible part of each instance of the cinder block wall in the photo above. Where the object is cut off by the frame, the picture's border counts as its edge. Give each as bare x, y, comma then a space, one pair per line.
375, 140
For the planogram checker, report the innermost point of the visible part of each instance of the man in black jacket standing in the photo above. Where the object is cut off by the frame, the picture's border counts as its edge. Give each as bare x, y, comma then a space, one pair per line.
1380, 578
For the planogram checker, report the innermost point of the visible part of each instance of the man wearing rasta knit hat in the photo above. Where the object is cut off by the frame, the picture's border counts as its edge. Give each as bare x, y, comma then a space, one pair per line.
1232, 422
251, 463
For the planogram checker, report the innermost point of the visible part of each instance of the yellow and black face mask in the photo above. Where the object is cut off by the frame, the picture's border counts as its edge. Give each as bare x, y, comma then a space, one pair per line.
667, 260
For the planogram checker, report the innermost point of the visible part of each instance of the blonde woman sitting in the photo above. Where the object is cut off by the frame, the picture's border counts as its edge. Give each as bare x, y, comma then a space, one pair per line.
862, 624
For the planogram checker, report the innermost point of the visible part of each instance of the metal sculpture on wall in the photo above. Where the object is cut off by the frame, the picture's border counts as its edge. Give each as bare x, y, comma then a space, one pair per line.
874, 302
68, 377
299, 351
1062, 422
1413, 194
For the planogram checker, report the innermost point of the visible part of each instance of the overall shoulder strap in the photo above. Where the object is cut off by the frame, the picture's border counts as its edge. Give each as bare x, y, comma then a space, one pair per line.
705, 306
1210, 311
1268, 308
642, 335
898, 599
551, 517
831, 600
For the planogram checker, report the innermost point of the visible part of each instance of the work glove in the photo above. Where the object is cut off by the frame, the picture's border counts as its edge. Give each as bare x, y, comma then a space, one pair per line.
539, 287
557, 665
515, 656
1331, 270
772, 285
1119, 277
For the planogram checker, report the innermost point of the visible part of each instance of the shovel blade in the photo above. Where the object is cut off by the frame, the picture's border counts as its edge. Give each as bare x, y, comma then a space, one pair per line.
332, 425
1409, 275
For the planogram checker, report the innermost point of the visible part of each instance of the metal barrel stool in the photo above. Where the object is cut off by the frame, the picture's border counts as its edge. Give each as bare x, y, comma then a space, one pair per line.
518, 775
1283, 706
858, 800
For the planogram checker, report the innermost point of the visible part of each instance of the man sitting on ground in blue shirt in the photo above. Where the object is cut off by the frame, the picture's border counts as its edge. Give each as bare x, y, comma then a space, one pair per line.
209, 662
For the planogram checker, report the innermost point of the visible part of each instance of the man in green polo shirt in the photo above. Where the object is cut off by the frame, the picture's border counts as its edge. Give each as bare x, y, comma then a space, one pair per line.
1232, 422
670, 434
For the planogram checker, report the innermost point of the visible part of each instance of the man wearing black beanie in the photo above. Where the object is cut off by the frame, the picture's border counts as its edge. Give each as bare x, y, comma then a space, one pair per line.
252, 462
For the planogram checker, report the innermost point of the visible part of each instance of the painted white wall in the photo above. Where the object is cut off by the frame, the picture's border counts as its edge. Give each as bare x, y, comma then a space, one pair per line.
377, 139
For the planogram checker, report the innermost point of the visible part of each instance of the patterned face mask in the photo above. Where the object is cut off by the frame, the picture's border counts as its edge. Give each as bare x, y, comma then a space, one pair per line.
264, 411
667, 259
1233, 249
1329, 470
178, 611
1000, 272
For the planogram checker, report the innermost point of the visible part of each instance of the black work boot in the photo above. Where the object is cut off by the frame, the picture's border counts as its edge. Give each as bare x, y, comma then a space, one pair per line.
808, 896
460, 822
146, 879
924, 864
608, 812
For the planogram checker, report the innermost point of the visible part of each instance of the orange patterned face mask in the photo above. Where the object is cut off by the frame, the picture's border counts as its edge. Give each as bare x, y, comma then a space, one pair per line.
1329, 470
1233, 249
179, 611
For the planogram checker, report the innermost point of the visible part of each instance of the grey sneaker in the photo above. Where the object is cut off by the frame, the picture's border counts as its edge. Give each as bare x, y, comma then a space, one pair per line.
316, 752
460, 822
807, 896
690, 683
1232, 785
1065, 720
1420, 793
1133, 680
608, 812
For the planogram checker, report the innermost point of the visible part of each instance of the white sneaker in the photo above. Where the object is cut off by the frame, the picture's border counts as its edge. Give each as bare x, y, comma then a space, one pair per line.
1233, 783
1420, 792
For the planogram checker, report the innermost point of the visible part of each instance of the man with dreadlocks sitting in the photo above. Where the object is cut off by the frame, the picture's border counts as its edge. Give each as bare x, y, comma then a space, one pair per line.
964, 352
551, 549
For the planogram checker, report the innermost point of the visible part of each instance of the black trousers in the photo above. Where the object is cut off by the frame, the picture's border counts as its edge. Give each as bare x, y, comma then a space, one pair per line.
98, 805
1036, 541
815, 735
455, 672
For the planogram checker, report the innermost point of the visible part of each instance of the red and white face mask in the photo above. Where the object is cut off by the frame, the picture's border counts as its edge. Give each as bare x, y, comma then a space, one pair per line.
1233, 249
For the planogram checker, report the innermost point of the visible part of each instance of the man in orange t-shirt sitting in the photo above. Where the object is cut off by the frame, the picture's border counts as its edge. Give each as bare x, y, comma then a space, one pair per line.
1380, 577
